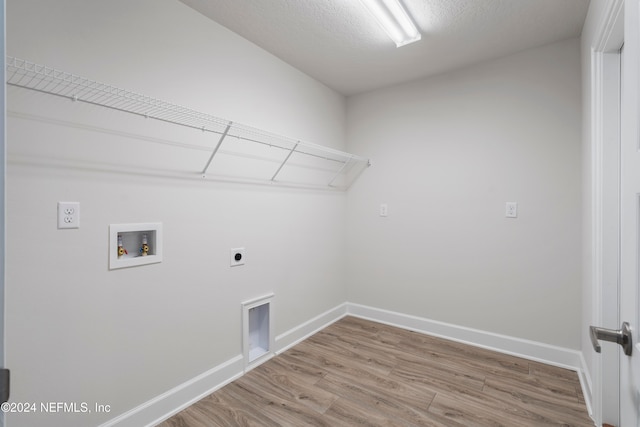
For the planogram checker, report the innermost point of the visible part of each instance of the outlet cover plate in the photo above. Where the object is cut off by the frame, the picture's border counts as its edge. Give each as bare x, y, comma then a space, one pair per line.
68, 215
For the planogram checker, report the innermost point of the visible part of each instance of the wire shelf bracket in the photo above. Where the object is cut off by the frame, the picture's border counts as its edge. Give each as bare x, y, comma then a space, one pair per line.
285, 161
330, 184
41, 78
217, 147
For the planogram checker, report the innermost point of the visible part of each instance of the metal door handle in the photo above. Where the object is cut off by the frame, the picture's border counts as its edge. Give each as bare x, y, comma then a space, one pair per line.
621, 336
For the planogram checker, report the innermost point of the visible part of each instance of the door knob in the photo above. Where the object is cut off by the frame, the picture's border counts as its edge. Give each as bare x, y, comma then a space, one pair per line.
621, 336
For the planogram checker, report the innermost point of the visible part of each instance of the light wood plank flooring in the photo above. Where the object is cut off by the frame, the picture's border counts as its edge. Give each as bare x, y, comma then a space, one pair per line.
357, 372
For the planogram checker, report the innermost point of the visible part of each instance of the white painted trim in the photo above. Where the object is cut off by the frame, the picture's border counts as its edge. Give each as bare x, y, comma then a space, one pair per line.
586, 385
606, 38
527, 349
180, 397
292, 337
609, 35
532, 350
597, 118
3, 181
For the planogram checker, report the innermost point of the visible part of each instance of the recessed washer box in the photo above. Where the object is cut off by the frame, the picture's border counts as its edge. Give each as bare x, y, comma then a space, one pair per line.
131, 245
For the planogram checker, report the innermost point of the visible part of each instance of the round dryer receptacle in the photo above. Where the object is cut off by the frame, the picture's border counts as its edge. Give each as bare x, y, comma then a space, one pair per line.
236, 257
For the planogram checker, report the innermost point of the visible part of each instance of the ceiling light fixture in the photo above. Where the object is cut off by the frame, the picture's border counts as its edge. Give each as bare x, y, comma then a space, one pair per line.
394, 19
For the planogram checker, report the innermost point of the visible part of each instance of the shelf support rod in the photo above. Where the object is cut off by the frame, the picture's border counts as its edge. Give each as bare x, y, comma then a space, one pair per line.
344, 165
285, 161
215, 150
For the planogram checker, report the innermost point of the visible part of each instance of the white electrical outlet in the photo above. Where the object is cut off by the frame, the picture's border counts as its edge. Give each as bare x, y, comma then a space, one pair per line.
68, 215
511, 210
384, 209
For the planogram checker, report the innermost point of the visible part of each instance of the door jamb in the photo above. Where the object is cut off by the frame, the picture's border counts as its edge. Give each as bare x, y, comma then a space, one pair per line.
608, 38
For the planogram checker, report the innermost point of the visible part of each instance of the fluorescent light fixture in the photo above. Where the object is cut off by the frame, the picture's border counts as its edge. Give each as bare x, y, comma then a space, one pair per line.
394, 20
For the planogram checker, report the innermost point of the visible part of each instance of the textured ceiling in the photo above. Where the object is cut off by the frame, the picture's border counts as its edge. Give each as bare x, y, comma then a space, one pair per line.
339, 44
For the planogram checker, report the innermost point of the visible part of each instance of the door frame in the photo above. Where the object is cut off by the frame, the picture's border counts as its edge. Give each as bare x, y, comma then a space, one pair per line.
605, 221
610, 271
630, 227
3, 151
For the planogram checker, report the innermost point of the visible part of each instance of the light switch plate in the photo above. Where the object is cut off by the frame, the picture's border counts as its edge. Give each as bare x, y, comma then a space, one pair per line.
68, 215
511, 210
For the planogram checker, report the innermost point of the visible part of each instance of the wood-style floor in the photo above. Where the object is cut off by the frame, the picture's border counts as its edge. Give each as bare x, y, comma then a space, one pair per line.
357, 372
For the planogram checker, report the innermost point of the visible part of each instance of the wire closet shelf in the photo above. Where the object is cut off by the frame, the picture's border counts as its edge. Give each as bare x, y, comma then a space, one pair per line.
49, 80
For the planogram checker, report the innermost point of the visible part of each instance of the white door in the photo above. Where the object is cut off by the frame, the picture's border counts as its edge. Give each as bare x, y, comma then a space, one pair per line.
630, 215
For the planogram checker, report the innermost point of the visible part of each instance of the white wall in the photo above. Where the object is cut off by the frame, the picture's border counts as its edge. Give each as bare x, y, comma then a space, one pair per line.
447, 153
77, 332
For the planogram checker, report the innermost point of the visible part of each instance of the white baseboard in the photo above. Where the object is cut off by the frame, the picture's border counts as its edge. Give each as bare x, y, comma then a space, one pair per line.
178, 398
585, 383
532, 350
310, 327
173, 401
